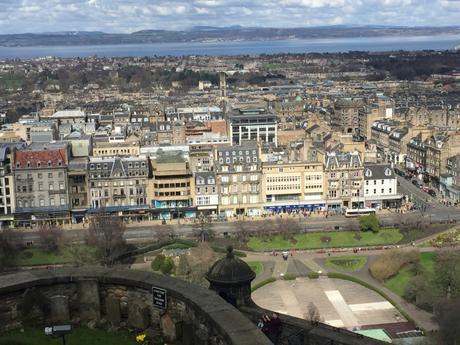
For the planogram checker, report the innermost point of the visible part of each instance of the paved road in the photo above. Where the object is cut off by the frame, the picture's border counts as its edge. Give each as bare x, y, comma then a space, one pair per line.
141, 232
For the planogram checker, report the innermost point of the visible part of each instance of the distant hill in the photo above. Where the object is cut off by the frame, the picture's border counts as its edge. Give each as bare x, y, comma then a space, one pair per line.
210, 33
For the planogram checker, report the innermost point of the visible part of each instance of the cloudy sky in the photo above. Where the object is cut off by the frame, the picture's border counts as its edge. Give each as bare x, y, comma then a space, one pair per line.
131, 15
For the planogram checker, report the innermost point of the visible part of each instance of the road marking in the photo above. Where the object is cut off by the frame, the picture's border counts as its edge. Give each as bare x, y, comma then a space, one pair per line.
371, 306
342, 308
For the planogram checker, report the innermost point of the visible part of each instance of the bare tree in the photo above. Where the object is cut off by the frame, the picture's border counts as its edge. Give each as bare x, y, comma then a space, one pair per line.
202, 228
312, 314
242, 231
50, 237
105, 234
10, 245
287, 227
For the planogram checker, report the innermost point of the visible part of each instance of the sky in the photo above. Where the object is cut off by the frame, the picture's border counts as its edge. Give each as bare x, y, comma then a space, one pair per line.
19, 16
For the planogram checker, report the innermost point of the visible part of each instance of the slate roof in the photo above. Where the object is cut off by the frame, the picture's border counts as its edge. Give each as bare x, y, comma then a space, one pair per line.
378, 172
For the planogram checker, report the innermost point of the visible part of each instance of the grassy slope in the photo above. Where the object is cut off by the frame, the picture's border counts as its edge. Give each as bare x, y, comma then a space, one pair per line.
398, 283
338, 239
256, 266
77, 337
40, 257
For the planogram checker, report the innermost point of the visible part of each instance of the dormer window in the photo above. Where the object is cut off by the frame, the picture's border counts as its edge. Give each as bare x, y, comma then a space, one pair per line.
59, 163
18, 165
49, 163
39, 164
28, 164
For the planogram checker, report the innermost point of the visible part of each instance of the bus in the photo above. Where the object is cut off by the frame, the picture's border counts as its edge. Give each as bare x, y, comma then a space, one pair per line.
356, 212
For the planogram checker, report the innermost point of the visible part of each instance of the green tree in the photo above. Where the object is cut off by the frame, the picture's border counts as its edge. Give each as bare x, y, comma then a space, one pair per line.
369, 223
447, 273
168, 266
183, 267
158, 262
10, 246
448, 319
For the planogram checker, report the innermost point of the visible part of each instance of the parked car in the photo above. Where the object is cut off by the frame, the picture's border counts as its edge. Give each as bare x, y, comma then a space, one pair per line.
416, 183
432, 193
408, 177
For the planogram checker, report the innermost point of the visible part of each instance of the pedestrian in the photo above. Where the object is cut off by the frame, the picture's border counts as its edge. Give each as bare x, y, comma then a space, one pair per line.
274, 329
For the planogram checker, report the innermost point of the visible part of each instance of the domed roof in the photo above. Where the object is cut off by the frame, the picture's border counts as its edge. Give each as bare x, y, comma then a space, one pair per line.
230, 270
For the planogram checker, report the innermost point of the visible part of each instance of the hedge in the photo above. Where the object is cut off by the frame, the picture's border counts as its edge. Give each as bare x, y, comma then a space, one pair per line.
158, 245
262, 283
343, 276
289, 276
313, 275
224, 250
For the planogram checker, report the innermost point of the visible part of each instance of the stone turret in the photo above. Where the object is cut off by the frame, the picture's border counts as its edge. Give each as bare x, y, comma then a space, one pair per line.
231, 278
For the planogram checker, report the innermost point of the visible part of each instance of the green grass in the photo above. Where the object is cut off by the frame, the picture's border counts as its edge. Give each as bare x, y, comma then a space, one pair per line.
398, 283
347, 263
337, 239
77, 337
37, 256
256, 266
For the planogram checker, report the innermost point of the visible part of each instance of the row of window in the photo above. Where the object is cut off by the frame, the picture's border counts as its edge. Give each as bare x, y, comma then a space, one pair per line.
234, 153
244, 189
107, 174
24, 188
39, 164
172, 185
205, 190
115, 152
99, 166
243, 178
239, 159
39, 176
41, 203
176, 193
201, 181
382, 191
253, 199
105, 192
283, 179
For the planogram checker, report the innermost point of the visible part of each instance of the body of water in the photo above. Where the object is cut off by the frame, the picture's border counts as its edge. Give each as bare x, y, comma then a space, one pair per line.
332, 45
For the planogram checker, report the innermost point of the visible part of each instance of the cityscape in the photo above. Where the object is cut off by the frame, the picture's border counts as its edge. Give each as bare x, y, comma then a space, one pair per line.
269, 194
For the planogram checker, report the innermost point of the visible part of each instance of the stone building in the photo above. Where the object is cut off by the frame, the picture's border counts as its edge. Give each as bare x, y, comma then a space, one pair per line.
41, 183
344, 176
238, 172
171, 190
78, 187
439, 147
380, 186
252, 121
118, 184
7, 190
206, 194
346, 114
416, 154
288, 186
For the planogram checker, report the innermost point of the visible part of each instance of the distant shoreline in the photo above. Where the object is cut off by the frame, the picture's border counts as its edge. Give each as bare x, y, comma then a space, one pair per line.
241, 47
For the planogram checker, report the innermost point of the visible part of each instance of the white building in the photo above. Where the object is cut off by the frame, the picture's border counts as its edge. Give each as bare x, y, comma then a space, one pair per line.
380, 186
206, 195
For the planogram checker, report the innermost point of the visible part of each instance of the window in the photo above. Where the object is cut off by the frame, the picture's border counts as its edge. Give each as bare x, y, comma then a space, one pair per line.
389, 190
40, 186
383, 190
224, 178
62, 201
50, 175
51, 186
49, 163
42, 202
61, 185
40, 175
52, 202
375, 191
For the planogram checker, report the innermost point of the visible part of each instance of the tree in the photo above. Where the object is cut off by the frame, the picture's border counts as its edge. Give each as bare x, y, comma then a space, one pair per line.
202, 228
313, 314
448, 319
50, 237
10, 245
183, 267
242, 231
369, 223
105, 234
81, 255
447, 272
287, 227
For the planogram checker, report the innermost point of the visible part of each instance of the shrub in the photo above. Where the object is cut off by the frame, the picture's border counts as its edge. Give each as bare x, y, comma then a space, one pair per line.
389, 264
158, 262
313, 275
289, 276
168, 266
325, 239
262, 283
223, 250
369, 223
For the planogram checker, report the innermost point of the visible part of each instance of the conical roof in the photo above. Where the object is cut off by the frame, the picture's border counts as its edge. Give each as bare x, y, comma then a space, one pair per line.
230, 270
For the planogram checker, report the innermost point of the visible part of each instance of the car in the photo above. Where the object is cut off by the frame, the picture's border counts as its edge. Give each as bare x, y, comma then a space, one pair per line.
432, 193
415, 183
408, 177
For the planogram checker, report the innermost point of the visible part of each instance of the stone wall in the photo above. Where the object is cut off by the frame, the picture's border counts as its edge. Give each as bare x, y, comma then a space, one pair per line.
302, 332
114, 298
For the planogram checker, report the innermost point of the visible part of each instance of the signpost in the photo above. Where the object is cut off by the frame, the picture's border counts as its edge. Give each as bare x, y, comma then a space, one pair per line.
160, 297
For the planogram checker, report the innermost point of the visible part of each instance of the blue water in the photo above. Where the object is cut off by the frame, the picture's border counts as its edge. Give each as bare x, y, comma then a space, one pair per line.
333, 45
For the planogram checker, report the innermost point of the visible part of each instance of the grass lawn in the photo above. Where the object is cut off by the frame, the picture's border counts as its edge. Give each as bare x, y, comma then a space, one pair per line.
256, 266
398, 283
315, 240
37, 256
77, 337
347, 263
